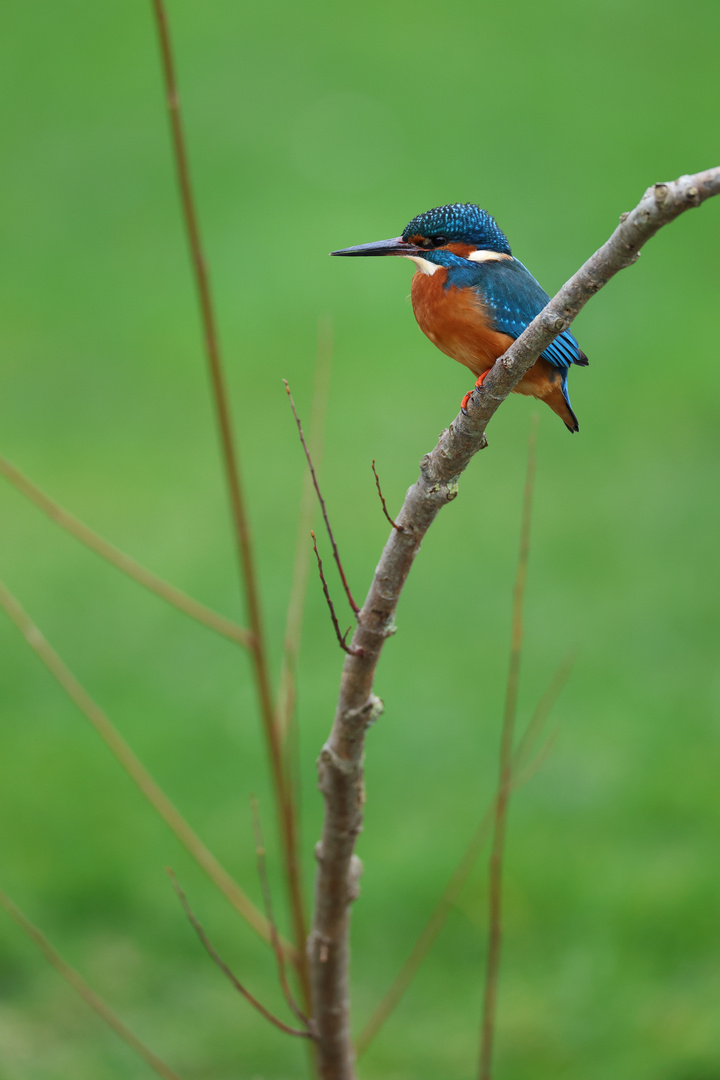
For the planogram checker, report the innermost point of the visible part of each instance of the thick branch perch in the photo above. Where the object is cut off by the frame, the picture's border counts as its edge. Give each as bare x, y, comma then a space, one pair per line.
340, 764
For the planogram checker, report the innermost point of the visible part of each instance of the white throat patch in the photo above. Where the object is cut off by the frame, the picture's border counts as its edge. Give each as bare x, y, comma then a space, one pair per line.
487, 256
424, 265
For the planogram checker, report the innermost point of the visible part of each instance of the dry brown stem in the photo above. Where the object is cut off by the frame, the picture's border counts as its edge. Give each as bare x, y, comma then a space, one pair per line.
492, 967
527, 759
382, 499
267, 901
340, 763
283, 789
135, 769
326, 519
217, 959
76, 981
119, 559
342, 638
298, 590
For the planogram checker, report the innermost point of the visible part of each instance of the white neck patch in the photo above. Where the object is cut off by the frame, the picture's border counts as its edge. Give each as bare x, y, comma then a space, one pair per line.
487, 256
424, 265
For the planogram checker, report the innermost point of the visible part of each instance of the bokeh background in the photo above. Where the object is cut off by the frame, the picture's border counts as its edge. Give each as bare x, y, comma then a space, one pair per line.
312, 127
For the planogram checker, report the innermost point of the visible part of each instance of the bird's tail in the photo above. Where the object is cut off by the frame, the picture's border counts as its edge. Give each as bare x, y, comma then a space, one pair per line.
556, 396
560, 404
545, 382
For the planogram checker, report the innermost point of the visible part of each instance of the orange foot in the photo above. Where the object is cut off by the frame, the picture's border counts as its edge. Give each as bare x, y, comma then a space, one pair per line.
478, 384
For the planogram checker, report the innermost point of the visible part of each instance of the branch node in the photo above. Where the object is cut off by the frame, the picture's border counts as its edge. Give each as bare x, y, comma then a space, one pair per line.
377, 705
555, 323
342, 765
354, 874
368, 713
661, 193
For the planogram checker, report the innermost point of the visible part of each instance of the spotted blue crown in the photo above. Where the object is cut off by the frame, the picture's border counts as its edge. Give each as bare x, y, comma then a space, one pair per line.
462, 223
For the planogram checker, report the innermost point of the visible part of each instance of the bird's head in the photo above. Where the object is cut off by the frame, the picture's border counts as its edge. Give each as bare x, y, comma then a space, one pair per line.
440, 236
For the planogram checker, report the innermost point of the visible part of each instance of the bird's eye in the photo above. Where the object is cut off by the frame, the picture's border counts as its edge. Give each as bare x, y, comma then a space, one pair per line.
439, 241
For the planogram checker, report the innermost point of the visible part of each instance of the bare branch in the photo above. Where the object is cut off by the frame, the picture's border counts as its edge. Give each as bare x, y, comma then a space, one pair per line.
76, 981
342, 638
382, 500
293, 624
340, 764
492, 968
267, 900
336, 553
217, 959
119, 559
135, 769
283, 790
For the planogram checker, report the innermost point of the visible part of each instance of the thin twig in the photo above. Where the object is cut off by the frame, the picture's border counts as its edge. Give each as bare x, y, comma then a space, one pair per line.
283, 790
120, 560
507, 739
298, 589
342, 638
525, 766
267, 900
336, 553
76, 981
382, 500
217, 959
135, 769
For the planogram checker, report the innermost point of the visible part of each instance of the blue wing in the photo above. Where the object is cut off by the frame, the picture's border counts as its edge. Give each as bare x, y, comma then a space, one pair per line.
513, 298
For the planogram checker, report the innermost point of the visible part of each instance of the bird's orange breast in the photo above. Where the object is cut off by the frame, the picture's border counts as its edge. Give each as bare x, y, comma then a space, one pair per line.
456, 321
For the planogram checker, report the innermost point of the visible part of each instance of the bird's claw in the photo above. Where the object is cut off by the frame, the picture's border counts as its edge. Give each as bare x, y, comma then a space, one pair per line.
478, 384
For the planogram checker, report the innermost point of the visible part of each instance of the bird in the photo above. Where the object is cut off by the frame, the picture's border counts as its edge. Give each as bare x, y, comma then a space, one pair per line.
472, 298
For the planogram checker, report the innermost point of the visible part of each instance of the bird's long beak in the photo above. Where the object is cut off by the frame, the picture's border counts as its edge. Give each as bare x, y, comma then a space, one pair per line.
396, 246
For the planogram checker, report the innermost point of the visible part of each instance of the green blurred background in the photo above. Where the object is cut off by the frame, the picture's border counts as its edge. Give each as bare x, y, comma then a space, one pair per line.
312, 127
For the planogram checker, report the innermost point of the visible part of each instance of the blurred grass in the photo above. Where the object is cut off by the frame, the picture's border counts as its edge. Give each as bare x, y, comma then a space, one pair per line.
311, 128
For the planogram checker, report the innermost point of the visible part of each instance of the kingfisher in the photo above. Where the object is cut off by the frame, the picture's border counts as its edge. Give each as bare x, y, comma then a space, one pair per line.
472, 298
